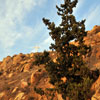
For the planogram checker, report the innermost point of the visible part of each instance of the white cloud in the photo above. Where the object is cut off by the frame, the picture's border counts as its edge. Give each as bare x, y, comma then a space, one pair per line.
48, 40
12, 13
78, 6
46, 44
93, 17
6, 39
16, 9
12, 27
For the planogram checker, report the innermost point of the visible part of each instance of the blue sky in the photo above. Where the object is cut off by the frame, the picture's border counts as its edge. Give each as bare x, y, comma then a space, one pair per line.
21, 26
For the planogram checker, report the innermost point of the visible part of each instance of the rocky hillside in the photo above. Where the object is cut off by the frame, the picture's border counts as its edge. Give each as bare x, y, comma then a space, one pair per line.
93, 39
19, 76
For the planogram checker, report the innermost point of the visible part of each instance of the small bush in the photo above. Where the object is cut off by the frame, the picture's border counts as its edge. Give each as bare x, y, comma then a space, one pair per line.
41, 58
31, 98
39, 91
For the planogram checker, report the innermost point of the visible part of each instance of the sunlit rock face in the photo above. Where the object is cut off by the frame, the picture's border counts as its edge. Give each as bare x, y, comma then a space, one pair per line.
93, 39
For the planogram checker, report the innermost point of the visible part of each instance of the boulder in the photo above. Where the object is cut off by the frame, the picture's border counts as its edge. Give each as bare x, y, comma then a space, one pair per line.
20, 96
32, 55
27, 67
35, 77
96, 96
10, 75
96, 89
24, 84
2, 94
7, 63
15, 89
18, 58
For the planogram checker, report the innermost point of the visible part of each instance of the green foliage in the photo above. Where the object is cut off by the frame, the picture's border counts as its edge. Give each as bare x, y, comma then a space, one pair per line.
31, 98
39, 91
69, 74
1, 72
41, 58
48, 92
79, 91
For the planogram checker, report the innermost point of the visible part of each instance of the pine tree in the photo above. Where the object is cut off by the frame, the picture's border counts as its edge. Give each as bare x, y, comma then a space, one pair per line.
69, 74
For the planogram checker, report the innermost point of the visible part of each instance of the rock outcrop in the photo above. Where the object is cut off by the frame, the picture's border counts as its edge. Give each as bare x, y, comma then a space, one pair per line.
93, 39
19, 76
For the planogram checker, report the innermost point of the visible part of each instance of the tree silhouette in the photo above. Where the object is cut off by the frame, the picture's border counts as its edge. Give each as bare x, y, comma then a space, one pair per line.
69, 74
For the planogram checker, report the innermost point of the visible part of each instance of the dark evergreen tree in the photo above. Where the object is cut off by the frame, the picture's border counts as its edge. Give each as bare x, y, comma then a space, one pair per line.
69, 74
41, 58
